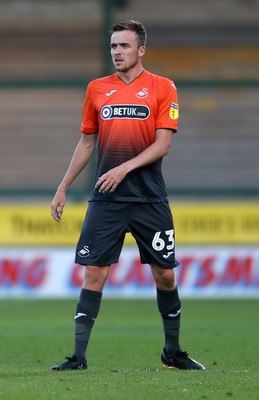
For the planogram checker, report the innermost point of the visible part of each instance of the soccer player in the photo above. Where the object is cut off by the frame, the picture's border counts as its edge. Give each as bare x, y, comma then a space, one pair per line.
133, 115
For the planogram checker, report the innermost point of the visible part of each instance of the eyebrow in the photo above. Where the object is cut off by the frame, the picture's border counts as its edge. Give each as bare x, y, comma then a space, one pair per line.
120, 44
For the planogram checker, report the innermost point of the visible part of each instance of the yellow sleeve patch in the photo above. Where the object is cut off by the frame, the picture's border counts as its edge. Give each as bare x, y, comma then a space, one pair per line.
174, 111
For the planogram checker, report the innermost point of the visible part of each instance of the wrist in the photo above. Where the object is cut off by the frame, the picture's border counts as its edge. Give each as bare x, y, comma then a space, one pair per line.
62, 188
128, 166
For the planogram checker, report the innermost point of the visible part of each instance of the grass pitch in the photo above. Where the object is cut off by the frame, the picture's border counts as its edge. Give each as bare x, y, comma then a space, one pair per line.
124, 353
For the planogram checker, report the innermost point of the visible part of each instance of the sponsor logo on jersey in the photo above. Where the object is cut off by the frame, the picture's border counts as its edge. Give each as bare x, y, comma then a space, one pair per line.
143, 93
174, 111
111, 92
121, 111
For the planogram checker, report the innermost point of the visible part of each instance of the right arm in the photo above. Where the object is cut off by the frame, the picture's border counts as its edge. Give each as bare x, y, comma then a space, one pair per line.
81, 157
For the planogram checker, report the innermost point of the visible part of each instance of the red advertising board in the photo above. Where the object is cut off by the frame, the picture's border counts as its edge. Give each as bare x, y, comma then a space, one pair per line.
203, 272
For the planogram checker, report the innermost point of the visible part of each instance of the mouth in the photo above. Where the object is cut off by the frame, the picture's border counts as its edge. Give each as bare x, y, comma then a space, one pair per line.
118, 60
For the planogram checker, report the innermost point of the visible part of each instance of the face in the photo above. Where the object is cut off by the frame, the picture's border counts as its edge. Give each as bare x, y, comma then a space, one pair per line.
125, 51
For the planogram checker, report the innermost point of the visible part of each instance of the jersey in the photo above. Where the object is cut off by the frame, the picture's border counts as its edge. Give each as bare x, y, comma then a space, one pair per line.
126, 117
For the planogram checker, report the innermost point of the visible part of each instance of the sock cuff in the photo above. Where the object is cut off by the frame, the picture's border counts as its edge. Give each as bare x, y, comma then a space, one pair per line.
90, 295
172, 294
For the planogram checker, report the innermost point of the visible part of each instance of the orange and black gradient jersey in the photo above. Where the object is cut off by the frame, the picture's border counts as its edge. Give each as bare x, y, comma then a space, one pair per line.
126, 117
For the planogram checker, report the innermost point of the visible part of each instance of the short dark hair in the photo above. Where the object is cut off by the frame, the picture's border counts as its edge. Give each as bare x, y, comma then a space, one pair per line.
134, 26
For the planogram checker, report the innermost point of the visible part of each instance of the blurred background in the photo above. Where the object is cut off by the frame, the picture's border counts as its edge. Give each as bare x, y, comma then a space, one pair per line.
50, 51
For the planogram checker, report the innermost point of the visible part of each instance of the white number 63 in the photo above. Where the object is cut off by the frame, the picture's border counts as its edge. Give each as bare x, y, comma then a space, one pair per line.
159, 244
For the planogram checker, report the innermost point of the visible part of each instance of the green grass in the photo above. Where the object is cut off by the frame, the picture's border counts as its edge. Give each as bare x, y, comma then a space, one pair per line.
124, 352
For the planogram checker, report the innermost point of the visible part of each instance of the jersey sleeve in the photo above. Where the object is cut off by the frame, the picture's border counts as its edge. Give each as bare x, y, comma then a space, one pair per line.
89, 122
168, 107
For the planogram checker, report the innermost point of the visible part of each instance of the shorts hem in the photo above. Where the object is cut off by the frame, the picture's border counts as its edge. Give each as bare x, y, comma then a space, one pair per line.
95, 264
165, 266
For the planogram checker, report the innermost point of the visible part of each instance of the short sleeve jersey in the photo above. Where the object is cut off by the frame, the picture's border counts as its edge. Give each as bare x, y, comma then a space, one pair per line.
126, 117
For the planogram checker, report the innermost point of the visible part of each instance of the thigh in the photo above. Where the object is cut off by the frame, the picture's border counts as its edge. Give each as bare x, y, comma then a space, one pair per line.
102, 234
153, 228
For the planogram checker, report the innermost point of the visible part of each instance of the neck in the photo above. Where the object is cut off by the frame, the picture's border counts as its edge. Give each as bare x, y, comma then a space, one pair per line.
130, 75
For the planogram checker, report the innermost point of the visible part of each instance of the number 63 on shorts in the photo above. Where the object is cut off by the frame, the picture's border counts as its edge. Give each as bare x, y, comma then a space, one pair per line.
159, 244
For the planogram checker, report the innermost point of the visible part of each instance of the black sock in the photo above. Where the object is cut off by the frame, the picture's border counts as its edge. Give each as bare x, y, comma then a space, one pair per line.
86, 313
169, 306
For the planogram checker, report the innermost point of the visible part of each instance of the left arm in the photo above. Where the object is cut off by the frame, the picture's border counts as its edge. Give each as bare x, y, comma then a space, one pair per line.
161, 146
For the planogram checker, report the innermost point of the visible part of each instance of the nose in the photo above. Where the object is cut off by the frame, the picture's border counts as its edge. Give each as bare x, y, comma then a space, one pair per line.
117, 49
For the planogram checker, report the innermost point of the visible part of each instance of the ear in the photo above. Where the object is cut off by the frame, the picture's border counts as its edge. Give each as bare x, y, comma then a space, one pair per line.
141, 51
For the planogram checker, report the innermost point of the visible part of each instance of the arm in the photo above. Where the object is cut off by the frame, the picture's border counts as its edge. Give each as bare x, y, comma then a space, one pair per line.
110, 180
81, 156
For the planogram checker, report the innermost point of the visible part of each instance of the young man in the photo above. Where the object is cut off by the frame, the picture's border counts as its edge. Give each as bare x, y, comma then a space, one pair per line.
133, 115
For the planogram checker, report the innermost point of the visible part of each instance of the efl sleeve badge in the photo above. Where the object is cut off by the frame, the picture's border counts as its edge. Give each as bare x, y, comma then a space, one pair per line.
174, 111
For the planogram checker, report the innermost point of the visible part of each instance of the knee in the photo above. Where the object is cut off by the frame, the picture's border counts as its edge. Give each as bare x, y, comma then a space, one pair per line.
95, 277
164, 278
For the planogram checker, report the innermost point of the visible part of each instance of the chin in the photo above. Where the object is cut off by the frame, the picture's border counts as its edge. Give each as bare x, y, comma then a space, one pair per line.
120, 68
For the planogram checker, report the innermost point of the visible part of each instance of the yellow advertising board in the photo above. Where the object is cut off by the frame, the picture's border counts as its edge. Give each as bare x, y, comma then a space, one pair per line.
195, 223
216, 223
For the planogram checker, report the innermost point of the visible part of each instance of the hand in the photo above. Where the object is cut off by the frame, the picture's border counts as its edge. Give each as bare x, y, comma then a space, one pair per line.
111, 179
57, 205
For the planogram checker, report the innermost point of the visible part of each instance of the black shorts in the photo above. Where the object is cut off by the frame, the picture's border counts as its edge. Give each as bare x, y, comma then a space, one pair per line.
105, 226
